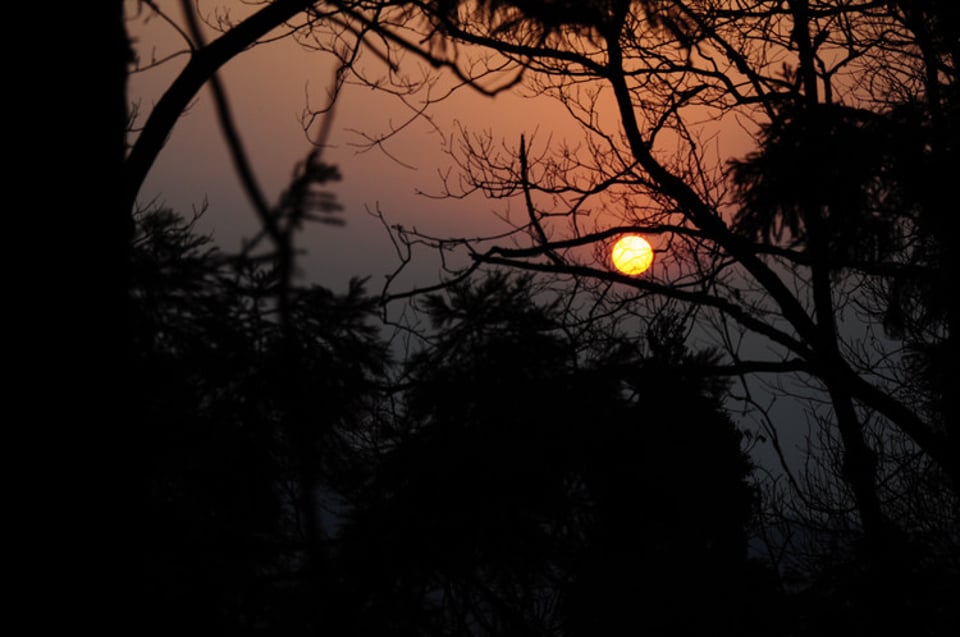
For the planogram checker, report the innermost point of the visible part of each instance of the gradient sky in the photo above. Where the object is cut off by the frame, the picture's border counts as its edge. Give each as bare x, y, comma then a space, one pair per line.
269, 87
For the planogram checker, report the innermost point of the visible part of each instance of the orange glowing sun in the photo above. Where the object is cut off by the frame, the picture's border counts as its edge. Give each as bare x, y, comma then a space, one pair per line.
632, 255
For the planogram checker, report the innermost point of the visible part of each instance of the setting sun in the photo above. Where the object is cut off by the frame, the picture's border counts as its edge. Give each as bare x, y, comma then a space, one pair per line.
632, 255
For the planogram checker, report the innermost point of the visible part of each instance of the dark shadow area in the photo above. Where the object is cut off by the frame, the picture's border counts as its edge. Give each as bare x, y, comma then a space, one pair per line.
514, 480
526, 467
511, 476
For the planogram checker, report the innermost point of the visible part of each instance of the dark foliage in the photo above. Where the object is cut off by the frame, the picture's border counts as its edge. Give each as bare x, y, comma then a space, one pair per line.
527, 486
239, 425
533, 21
820, 171
536, 491
522, 481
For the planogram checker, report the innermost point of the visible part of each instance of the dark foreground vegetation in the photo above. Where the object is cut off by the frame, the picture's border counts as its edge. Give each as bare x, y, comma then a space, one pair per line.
541, 452
510, 475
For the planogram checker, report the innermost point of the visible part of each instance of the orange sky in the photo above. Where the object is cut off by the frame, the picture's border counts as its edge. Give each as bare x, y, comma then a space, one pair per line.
268, 86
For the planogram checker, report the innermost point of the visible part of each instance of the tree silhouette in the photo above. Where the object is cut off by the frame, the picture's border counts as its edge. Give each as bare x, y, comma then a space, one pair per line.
538, 485
796, 260
821, 258
237, 446
529, 482
822, 221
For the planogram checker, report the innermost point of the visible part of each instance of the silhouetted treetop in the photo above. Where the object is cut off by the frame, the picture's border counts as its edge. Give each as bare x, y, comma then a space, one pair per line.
557, 458
534, 486
236, 434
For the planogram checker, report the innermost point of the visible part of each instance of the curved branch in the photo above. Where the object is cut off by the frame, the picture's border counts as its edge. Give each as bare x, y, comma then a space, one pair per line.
697, 298
432, 60
591, 238
202, 65
531, 210
232, 136
828, 362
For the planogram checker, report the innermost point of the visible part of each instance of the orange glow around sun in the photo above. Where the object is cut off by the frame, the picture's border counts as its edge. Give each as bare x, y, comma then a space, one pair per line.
632, 255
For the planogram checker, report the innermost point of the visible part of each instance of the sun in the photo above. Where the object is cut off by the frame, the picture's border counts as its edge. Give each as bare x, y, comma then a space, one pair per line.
632, 255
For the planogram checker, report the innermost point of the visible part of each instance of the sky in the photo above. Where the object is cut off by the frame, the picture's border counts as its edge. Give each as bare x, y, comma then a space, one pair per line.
270, 86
